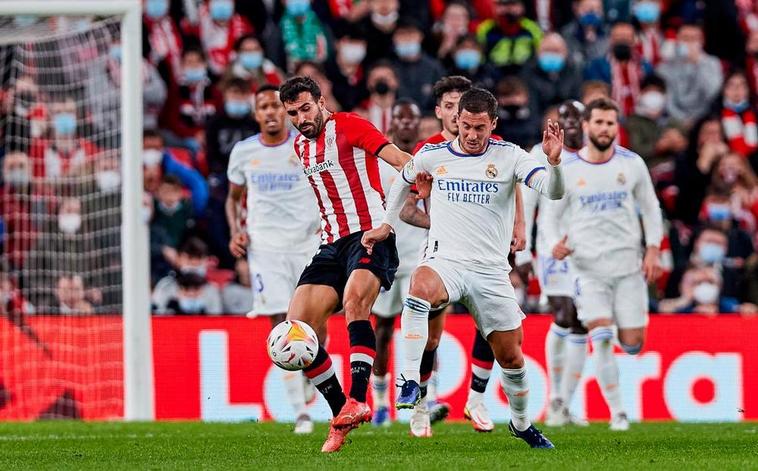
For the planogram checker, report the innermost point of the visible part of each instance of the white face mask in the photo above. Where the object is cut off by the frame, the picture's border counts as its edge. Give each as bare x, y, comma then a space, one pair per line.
706, 293
69, 223
108, 181
147, 214
201, 270
353, 53
652, 103
151, 157
385, 20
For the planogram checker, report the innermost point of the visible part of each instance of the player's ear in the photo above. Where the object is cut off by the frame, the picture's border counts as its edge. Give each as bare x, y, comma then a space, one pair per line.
494, 123
437, 112
322, 101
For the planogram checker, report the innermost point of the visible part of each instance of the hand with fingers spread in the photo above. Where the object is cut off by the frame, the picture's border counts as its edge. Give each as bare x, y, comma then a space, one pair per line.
552, 142
423, 185
561, 250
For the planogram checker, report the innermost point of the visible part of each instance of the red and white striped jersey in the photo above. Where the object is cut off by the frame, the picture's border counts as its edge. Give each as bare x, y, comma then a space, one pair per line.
342, 168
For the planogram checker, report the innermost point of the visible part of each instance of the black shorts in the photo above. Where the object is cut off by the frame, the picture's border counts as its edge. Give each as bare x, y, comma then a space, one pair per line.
333, 263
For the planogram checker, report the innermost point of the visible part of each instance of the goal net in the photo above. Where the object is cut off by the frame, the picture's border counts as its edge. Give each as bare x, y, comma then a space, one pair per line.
61, 329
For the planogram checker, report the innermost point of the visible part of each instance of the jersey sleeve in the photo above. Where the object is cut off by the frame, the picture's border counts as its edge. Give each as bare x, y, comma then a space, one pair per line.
362, 134
649, 207
527, 166
234, 172
545, 179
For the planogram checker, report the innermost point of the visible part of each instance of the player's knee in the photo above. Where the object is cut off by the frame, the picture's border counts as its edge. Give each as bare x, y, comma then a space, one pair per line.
510, 358
356, 309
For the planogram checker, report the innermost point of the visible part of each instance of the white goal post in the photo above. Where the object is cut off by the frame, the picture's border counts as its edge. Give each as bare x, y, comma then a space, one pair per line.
137, 338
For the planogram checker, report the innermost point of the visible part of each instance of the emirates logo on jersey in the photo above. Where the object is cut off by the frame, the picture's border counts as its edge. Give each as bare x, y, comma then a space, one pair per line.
318, 168
491, 171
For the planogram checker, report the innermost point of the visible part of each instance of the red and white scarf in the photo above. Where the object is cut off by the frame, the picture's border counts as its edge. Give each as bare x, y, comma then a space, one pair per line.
218, 39
165, 43
649, 45
741, 131
625, 84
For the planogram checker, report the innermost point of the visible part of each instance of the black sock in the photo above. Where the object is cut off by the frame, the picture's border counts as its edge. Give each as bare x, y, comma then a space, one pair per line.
321, 373
482, 359
427, 365
362, 353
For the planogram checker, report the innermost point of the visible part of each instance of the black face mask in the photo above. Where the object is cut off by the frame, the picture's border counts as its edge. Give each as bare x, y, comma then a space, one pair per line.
514, 112
511, 17
622, 51
381, 88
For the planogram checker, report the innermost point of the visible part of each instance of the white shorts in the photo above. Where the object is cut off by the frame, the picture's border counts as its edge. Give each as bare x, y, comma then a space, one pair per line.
487, 293
555, 276
390, 303
274, 277
623, 299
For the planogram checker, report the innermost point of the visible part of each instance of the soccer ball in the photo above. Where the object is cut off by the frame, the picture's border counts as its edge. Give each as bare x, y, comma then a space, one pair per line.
292, 345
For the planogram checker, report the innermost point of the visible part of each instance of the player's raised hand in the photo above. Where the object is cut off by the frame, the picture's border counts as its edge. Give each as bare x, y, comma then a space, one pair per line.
561, 250
238, 244
373, 236
552, 142
424, 185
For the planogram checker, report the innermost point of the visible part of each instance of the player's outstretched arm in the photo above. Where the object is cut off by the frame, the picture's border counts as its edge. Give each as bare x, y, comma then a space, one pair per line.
397, 196
394, 156
411, 214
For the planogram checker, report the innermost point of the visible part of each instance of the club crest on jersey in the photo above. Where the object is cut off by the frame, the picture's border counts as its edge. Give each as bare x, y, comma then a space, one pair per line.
491, 171
621, 179
441, 170
330, 140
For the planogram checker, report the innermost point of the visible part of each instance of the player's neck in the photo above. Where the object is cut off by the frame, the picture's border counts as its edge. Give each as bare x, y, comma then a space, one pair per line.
596, 155
448, 135
274, 139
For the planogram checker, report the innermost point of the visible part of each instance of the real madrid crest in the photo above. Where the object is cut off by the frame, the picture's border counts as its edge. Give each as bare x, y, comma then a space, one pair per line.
621, 179
491, 171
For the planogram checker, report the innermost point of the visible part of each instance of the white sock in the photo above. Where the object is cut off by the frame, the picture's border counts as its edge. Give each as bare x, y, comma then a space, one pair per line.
607, 369
293, 385
474, 397
555, 348
576, 354
517, 390
379, 390
414, 326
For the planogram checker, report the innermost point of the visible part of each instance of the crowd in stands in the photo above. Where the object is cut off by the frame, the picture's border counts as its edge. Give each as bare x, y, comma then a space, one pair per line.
684, 72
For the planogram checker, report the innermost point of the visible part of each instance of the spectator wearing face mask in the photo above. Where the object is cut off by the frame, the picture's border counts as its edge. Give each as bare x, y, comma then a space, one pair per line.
417, 71
191, 259
586, 36
651, 132
251, 64
188, 299
238, 295
738, 116
702, 293
70, 297
622, 68
159, 160
303, 34
516, 123
379, 27
510, 39
467, 60
232, 124
447, 33
27, 113
64, 153
652, 46
693, 78
551, 78
345, 69
220, 28
164, 41
192, 103
382, 84
172, 211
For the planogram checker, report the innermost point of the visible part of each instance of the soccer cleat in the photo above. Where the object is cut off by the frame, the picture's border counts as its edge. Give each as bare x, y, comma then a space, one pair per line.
353, 414
620, 422
335, 439
421, 425
532, 436
410, 394
557, 415
438, 411
381, 417
479, 416
303, 425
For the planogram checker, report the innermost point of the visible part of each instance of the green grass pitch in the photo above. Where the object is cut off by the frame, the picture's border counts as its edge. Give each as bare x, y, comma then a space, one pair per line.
264, 446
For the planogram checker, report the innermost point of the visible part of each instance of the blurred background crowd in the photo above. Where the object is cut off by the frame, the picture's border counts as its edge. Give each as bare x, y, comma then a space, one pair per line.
684, 72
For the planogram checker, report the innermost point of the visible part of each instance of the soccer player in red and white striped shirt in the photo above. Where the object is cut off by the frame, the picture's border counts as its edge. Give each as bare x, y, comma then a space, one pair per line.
339, 154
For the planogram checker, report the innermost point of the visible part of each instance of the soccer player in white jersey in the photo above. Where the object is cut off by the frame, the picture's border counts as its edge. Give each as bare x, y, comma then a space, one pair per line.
566, 342
404, 124
608, 191
282, 222
472, 214
340, 152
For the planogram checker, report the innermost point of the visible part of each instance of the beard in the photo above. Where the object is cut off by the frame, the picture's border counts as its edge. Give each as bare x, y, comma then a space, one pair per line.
313, 129
601, 146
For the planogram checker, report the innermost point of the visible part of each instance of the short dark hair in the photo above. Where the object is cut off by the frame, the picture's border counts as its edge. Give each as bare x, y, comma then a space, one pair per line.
242, 39
171, 179
653, 80
405, 101
194, 49
236, 83
603, 104
479, 100
509, 86
451, 83
267, 87
293, 87
148, 133
194, 247
190, 281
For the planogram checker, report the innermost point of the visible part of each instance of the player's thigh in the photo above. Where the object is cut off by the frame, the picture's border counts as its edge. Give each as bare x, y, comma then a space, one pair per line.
631, 308
272, 282
313, 303
389, 303
492, 302
437, 281
593, 299
360, 294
